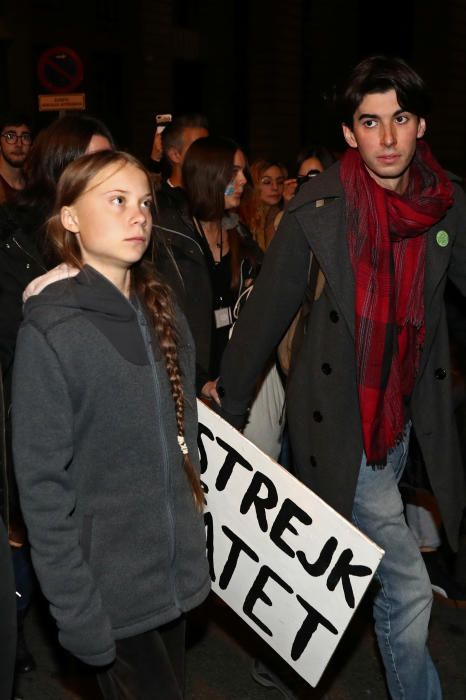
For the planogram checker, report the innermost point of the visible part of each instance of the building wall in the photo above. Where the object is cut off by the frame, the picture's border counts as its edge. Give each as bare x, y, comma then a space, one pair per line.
263, 71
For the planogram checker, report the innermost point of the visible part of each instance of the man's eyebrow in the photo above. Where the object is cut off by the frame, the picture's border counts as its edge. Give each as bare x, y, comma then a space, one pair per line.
376, 116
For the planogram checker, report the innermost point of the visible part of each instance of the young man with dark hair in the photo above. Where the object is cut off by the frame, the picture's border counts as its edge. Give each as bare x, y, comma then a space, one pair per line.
15, 142
386, 226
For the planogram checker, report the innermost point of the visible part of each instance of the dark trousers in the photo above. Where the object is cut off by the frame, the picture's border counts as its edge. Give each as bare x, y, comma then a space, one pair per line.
149, 666
7, 617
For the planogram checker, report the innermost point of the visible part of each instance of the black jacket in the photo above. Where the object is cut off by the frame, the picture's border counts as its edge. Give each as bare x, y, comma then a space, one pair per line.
3, 478
20, 263
180, 256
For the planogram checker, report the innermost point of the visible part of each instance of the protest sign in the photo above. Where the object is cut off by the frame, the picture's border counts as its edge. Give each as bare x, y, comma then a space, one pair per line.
286, 562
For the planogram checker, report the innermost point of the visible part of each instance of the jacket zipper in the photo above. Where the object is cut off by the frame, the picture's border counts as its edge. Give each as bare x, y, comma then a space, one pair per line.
148, 342
28, 254
183, 235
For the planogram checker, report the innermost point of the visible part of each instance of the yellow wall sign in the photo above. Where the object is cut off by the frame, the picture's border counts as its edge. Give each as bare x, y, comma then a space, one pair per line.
55, 103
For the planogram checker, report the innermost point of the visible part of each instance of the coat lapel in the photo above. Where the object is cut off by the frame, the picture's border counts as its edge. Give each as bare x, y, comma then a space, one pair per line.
438, 253
325, 230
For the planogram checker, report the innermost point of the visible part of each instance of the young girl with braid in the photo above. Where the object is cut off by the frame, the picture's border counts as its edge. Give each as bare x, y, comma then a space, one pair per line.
105, 439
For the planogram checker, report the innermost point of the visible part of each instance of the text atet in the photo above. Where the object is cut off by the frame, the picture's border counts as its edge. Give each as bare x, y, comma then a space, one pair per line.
286, 562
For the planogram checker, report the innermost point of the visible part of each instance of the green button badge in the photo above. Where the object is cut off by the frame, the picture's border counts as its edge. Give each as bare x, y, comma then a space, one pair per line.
442, 238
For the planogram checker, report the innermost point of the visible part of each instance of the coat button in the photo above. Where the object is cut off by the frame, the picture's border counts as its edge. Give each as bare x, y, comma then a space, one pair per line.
313, 461
334, 317
326, 369
440, 373
318, 417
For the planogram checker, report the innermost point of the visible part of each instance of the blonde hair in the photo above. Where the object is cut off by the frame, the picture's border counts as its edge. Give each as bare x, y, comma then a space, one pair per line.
258, 216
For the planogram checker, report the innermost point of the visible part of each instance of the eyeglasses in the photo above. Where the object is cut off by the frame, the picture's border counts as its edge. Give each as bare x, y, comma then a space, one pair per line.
13, 137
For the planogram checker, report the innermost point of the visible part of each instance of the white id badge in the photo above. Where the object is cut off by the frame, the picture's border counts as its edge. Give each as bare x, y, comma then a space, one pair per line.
223, 317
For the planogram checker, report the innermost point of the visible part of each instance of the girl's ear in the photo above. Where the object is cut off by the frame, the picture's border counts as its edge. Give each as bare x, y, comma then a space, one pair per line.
69, 219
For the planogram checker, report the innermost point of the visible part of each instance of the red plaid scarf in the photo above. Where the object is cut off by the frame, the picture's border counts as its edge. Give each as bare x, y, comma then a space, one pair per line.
387, 253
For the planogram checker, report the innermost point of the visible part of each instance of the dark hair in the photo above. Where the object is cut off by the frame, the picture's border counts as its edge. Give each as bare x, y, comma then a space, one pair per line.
320, 152
63, 141
172, 135
207, 170
381, 74
15, 119
155, 295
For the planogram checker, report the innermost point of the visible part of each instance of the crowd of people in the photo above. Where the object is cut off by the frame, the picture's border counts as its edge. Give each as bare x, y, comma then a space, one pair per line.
126, 291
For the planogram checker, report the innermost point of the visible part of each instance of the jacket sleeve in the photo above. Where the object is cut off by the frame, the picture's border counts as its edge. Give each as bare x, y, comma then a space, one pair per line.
43, 451
277, 294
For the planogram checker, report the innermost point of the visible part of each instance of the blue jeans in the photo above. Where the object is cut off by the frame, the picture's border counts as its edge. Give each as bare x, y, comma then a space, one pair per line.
403, 600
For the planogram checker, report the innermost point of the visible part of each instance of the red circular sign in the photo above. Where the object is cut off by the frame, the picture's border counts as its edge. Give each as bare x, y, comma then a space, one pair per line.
60, 69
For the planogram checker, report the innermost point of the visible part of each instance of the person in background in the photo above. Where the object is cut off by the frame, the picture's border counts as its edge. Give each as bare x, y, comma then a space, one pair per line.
310, 162
264, 200
23, 256
104, 432
22, 249
206, 255
15, 142
177, 137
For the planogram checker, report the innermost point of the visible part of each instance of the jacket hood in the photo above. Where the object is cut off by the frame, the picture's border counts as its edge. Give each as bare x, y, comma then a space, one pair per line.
93, 295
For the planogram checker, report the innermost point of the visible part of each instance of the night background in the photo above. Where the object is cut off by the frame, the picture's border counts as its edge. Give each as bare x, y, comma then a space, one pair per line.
263, 72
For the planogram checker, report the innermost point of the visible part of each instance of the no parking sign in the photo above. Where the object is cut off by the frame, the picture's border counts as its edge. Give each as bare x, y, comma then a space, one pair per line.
60, 71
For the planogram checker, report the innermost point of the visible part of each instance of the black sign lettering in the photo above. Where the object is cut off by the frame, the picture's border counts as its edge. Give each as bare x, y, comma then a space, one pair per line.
282, 522
261, 504
233, 457
257, 593
322, 562
307, 629
237, 546
203, 430
342, 571
209, 533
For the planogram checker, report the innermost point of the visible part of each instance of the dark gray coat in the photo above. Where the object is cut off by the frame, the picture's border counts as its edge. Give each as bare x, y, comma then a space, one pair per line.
322, 399
117, 543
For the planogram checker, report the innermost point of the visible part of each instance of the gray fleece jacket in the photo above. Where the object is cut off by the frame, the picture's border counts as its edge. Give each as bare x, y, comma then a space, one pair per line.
117, 543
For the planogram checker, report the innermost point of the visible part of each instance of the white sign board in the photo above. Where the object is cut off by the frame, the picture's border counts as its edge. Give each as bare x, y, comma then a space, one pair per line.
285, 561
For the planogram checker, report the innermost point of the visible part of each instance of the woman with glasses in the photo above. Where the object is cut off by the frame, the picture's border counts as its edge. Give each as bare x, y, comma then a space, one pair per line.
15, 142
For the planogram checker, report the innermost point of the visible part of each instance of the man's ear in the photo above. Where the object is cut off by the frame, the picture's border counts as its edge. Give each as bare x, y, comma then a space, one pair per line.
421, 128
174, 155
349, 136
69, 219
